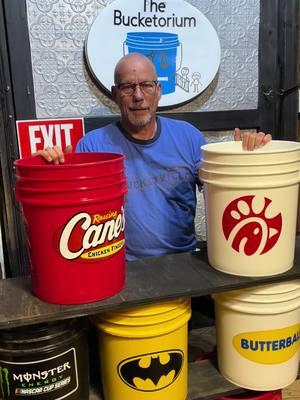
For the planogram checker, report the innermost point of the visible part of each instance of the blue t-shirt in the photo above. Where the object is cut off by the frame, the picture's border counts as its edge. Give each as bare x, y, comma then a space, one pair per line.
161, 178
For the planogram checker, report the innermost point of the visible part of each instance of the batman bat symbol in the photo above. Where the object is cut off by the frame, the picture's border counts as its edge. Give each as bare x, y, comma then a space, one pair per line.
153, 371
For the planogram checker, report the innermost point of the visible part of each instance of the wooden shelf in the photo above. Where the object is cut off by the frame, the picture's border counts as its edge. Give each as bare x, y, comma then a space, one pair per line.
147, 280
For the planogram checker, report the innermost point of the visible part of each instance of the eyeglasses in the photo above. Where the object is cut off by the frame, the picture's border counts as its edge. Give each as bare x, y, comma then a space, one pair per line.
147, 87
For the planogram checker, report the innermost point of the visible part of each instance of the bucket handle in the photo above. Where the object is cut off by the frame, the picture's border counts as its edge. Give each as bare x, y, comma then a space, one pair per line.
181, 56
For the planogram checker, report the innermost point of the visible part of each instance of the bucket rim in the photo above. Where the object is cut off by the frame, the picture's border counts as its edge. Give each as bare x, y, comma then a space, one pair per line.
239, 151
149, 309
84, 200
257, 185
18, 163
231, 174
147, 321
151, 34
36, 180
158, 329
257, 164
275, 308
68, 190
154, 46
149, 316
281, 287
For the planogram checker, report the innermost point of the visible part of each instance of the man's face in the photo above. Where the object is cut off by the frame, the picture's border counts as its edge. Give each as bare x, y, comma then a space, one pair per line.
139, 107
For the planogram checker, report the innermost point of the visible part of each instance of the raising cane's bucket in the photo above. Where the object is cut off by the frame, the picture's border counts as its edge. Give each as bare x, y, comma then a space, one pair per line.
45, 362
143, 351
258, 335
251, 200
76, 237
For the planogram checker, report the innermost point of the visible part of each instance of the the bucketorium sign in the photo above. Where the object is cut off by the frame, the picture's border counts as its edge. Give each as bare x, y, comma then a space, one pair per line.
175, 35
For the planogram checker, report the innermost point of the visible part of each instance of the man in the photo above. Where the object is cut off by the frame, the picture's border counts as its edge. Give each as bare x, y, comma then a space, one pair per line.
162, 161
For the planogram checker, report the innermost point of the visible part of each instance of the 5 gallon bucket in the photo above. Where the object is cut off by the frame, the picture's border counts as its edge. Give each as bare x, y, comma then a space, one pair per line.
161, 48
45, 362
143, 351
251, 201
258, 335
76, 237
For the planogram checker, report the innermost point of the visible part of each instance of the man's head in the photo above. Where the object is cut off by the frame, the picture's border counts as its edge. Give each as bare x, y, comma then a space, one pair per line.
136, 91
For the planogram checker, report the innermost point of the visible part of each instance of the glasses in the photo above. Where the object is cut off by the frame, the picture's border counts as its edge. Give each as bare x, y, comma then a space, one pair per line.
147, 87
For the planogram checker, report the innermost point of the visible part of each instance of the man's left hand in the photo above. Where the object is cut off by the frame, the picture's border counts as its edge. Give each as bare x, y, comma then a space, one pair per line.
252, 140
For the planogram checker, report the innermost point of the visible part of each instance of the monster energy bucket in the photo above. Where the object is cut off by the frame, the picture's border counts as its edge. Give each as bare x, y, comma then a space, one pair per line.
44, 362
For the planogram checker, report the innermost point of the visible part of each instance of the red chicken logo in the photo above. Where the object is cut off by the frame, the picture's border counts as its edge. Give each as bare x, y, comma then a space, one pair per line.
249, 227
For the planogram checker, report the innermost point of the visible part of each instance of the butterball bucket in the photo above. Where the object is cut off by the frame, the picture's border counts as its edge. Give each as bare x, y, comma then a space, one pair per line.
76, 237
258, 335
143, 352
45, 362
251, 200
161, 48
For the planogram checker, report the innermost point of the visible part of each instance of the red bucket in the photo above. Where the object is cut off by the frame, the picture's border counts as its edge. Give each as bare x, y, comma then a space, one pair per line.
84, 165
252, 395
76, 236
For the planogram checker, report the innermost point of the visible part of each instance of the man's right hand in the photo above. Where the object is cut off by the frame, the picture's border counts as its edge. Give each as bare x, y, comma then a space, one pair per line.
54, 154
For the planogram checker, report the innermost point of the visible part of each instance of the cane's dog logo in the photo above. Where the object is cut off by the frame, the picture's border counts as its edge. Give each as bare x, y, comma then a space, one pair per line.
252, 225
151, 372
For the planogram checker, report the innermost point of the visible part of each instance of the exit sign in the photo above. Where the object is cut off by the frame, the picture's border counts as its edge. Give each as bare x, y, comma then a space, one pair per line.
34, 135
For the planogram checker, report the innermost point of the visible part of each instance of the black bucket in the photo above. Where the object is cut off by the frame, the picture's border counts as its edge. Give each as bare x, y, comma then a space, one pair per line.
45, 362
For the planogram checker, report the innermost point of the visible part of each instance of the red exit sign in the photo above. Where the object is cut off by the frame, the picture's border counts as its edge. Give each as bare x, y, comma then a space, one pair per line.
34, 135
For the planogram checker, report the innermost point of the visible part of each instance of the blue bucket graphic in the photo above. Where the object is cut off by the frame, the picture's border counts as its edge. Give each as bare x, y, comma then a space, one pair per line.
161, 49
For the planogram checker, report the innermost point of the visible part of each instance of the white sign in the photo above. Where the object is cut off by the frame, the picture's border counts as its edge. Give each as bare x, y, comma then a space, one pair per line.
176, 36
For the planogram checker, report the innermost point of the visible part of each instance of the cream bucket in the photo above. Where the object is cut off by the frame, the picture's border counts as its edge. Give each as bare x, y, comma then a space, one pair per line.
251, 206
258, 335
143, 351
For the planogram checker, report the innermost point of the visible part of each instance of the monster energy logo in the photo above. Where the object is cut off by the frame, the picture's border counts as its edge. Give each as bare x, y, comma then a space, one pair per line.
4, 382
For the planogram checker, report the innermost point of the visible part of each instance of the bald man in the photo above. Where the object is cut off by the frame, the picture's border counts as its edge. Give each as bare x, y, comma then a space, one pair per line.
162, 159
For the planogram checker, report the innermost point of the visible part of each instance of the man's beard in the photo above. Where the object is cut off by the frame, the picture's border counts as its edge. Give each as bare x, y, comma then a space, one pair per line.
139, 123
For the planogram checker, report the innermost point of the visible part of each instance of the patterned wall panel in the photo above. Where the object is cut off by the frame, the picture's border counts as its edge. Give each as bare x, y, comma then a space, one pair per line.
58, 28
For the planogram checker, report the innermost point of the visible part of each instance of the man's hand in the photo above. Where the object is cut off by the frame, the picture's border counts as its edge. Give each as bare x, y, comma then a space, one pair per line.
54, 154
252, 140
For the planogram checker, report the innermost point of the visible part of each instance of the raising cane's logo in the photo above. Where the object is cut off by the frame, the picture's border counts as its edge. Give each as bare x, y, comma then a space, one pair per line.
250, 227
91, 237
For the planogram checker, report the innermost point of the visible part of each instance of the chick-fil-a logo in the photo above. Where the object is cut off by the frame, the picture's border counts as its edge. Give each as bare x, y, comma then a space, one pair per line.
91, 237
249, 226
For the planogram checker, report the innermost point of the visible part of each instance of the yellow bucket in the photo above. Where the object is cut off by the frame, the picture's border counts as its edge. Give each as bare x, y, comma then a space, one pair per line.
258, 335
143, 351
